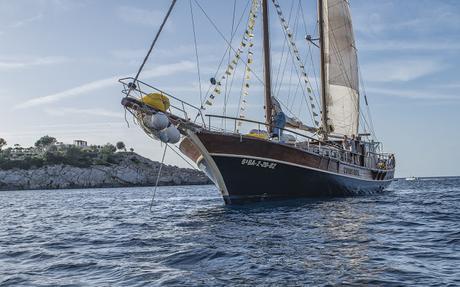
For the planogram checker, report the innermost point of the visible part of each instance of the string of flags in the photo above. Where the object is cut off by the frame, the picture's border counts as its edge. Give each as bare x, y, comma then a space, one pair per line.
247, 71
298, 59
246, 43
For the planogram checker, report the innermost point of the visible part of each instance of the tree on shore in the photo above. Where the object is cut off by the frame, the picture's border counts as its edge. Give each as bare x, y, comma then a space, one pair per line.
108, 149
107, 153
121, 146
131, 150
2, 143
45, 142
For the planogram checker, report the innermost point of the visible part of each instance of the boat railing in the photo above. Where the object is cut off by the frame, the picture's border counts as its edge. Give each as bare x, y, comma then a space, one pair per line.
178, 107
231, 125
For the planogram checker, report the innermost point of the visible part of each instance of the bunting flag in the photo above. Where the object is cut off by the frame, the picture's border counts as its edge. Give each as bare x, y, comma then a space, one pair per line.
298, 58
247, 73
246, 43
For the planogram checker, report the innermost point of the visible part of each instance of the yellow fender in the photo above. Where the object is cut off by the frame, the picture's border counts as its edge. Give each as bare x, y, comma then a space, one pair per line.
157, 101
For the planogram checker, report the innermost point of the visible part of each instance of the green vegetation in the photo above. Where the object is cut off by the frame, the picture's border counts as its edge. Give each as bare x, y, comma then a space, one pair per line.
48, 151
2, 143
121, 146
45, 142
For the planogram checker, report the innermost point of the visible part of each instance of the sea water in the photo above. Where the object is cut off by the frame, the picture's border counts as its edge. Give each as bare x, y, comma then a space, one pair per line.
409, 236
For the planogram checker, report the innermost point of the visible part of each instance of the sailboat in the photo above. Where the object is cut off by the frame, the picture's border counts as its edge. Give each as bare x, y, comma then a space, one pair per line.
279, 157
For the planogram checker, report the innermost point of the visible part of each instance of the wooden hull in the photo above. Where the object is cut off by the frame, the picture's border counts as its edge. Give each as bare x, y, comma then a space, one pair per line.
247, 169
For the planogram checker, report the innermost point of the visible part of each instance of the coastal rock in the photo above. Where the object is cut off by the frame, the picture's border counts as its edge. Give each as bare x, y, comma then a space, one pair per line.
130, 170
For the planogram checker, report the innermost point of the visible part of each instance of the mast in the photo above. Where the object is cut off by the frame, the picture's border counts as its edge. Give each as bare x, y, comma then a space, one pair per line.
267, 65
322, 45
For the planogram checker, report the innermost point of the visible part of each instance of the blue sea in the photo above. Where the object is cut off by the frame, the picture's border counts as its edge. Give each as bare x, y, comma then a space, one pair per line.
408, 236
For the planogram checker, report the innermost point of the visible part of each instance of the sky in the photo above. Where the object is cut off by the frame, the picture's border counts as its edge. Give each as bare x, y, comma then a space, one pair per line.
60, 62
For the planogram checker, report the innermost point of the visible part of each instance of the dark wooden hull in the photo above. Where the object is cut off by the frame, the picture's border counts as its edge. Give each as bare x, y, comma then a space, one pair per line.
247, 169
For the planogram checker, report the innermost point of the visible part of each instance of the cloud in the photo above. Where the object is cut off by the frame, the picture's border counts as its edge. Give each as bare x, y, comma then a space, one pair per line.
400, 70
83, 112
129, 54
408, 45
375, 18
66, 129
174, 51
159, 71
137, 16
23, 22
424, 94
27, 62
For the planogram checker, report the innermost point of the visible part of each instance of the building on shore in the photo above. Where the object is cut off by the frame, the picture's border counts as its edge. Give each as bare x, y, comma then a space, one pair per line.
80, 143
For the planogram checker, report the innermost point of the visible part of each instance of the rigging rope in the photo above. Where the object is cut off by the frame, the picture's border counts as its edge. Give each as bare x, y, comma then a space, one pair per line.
158, 177
152, 45
280, 83
223, 37
346, 77
226, 50
247, 72
196, 51
177, 153
227, 91
282, 52
309, 53
371, 122
301, 73
246, 42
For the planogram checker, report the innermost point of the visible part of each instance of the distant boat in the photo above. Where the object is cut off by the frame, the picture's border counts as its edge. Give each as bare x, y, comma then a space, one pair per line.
329, 153
411, 178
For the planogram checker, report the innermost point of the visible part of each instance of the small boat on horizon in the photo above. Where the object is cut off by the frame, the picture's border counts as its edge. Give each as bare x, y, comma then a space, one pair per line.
331, 152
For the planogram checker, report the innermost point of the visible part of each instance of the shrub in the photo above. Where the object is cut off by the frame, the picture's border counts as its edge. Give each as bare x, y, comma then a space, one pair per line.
45, 141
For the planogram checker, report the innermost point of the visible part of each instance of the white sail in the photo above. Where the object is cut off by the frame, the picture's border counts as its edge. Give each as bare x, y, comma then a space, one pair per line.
341, 67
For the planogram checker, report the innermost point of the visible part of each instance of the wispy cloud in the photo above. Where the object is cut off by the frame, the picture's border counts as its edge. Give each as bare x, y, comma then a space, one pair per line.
425, 94
13, 63
400, 70
159, 71
417, 45
82, 112
66, 129
25, 21
175, 51
21, 22
374, 18
145, 17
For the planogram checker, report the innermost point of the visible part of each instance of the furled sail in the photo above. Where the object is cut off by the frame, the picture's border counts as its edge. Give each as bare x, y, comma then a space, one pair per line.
341, 69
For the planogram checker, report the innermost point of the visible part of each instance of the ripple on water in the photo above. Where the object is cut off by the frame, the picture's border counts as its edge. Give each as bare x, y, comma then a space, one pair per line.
407, 236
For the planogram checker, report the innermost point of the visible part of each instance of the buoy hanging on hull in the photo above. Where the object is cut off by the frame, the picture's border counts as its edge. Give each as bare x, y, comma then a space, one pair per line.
168, 135
161, 128
163, 136
159, 121
173, 134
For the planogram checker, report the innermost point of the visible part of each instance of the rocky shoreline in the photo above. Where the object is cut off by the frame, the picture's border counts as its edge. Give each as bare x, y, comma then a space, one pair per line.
130, 170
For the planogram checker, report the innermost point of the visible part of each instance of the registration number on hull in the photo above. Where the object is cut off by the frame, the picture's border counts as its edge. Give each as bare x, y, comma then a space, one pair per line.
258, 163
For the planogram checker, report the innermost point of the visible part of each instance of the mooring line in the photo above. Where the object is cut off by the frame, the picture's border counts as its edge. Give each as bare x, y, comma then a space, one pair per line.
193, 167
158, 177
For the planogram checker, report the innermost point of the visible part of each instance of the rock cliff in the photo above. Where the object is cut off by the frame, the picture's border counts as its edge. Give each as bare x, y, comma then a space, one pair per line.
131, 169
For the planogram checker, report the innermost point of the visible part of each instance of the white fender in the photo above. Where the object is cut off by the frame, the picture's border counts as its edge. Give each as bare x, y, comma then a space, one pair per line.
173, 134
147, 120
163, 135
159, 121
